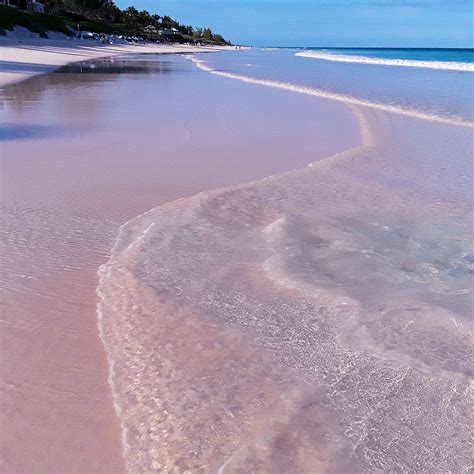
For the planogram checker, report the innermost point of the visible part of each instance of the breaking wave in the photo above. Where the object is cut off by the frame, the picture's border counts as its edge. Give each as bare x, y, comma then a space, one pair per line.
344, 58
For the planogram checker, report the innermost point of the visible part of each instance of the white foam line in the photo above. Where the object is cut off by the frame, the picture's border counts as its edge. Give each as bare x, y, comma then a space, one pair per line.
344, 58
332, 96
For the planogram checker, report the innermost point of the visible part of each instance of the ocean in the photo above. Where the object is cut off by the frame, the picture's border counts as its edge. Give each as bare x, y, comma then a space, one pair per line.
320, 319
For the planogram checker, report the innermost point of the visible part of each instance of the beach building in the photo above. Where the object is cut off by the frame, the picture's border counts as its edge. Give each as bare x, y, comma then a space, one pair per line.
168, 31
150, 29
30, 5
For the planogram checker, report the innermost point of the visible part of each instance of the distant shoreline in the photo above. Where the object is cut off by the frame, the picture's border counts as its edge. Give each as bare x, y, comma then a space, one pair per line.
23, 58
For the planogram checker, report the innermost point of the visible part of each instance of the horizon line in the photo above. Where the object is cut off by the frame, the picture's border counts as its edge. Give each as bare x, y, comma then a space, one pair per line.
462, 48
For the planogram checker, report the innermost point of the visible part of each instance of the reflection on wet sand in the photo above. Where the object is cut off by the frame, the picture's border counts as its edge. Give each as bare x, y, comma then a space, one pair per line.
79, 75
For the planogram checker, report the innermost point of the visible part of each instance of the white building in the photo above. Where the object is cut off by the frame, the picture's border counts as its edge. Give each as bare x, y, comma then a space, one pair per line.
34, 6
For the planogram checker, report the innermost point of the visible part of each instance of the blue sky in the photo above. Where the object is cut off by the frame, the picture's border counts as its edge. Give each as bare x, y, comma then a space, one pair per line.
428, 23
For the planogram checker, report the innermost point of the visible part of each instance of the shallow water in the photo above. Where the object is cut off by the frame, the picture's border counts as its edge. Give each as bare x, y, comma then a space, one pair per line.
319, 320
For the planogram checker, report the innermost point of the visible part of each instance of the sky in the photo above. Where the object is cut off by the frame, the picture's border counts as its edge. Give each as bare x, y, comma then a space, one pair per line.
382, 23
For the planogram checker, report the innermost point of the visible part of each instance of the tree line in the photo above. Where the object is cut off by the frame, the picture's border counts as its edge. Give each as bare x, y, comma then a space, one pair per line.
135, 21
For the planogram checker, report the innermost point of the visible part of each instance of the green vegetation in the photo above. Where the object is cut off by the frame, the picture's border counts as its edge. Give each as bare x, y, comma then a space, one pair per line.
35, 22
103, 16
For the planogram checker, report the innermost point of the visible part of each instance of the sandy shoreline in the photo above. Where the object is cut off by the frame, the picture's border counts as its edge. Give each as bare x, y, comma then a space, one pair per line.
64, 208
25, 57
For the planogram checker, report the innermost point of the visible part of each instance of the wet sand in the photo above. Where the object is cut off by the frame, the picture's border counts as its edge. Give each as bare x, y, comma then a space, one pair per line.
83, 151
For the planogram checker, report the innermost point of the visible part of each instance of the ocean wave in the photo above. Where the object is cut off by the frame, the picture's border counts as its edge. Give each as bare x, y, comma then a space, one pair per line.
300, 89
344, 58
